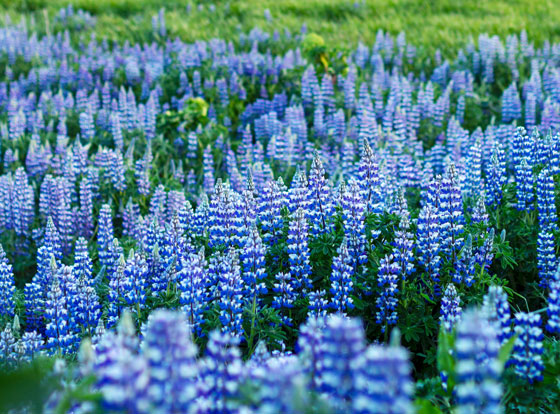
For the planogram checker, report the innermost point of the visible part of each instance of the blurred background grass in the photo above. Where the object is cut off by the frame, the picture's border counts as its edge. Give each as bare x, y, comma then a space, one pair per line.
445, 24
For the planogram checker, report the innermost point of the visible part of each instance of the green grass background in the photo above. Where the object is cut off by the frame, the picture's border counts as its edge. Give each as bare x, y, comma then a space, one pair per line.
430, 24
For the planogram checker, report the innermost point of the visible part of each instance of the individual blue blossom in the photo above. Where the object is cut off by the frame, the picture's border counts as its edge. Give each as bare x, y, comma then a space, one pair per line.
105, 235
192, 287
353, 216
253, 264
115, 296
318, 304
546, 201
86, 305
271, 202
525, 186
496, 307
171, 356
230, 294
135, 281
342, 344
122, 376
465, 264
60, 338
547, 261
298, 252
383, 381
528, 347
495, 176
321, 208
387, 280
450, 310
478, 387
284, 297
342, 285
428, 243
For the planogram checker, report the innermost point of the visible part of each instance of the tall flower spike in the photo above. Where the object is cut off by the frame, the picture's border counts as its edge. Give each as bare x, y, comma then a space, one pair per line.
342, 344
135, 281
450, 308
341, 280
403, 252
547, 261
105, 235
191, 283
60, 339
231, 288
353, 215
171, 356
478, 371
496, 308
387, 280
429, 244
383, 381
253, 264
298, 252
546, 201
528, 347
321, 208
285, 295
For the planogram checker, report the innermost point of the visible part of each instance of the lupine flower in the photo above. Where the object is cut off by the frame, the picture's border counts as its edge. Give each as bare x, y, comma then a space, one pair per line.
285, 295
116, 292
193, 297
403, 252
478, 388
105, 235
29, 346
546, 258
135, 281
60, 338
546, 201
525, 183
495, 176
353, 215
252, 258
271, 202
383, 381
464, 267
319, 197
528, 347
8, 347
230, 295
318, 304
171, 357
342, 344
298, 252
387, 279
496, 308
451, 210
341, 280
220, 375
450, 310
429, 243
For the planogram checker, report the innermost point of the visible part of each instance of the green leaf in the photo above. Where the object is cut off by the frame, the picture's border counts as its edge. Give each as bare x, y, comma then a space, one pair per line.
505, 350
424, 406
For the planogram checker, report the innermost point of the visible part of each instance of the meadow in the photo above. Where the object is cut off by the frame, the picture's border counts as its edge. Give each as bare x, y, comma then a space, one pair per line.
279, 206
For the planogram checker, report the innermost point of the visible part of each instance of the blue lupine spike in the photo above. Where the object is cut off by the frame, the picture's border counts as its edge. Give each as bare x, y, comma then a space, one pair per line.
546, 201
353, 215
298, 252
105, 235
495, 176
86, 208
341, 280
383, 381
230, 294
321, 208
172, 365
547, 261
342, 344
451, 211
485, 253
8, 347
60, 338
271, 202
135, 281
51, 240
191, 282
525, 186
309, 346
252, 258
29, 346
478, 387
86, 306
528, 347
450, 310
404, 243
429, 243
387, 279
465, 264
285, 294
496, 308
115, 296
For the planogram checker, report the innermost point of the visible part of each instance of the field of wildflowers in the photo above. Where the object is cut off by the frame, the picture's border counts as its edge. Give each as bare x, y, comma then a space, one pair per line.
268, 224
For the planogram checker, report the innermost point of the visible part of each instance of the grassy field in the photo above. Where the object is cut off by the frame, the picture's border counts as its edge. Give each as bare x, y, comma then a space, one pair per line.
445, 24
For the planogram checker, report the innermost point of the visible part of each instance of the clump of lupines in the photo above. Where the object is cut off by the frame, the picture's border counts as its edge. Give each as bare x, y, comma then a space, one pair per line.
81, 148
450, 308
